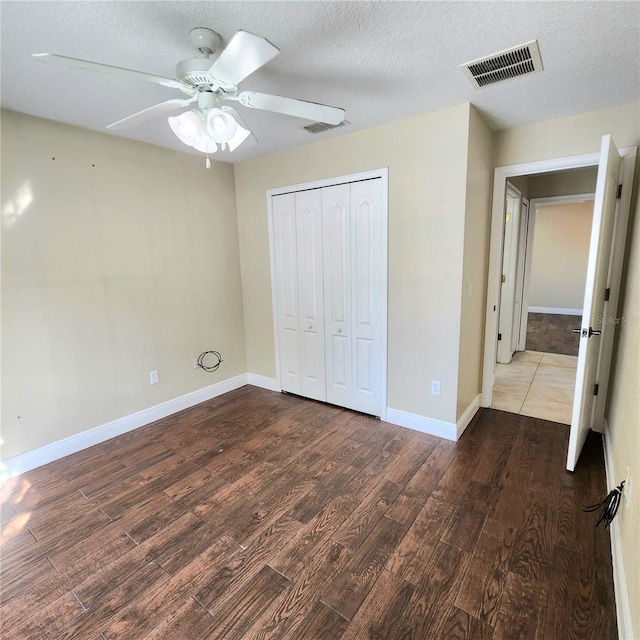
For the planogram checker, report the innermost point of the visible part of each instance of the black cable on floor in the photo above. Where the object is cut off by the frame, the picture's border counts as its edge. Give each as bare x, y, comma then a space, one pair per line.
609, 506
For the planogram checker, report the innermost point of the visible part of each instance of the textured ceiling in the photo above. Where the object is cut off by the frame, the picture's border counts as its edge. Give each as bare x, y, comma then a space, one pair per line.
380, 61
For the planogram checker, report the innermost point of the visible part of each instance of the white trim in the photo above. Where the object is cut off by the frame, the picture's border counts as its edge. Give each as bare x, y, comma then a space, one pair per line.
56, 450
562, 311
271, 384
468, 415
623, 604
550, 200
521, 271
329, 182
382, 173
437, 428
506, 305
495, 254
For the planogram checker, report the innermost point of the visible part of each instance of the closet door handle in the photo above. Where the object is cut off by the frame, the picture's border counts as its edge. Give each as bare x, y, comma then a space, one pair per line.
309, 326
339, 330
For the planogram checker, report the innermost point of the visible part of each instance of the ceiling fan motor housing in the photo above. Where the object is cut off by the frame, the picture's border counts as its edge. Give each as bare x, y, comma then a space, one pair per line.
206, 40
195, 73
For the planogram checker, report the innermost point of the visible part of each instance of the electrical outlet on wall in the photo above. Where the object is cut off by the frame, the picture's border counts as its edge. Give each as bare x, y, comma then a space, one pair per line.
153, 377
435, 387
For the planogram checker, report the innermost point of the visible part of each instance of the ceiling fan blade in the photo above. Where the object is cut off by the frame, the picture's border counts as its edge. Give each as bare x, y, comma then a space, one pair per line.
106, 68
151, 112
292, 107
244, 54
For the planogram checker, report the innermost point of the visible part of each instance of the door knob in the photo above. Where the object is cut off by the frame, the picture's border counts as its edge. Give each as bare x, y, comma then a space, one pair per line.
310, 326
587, 333
339, 330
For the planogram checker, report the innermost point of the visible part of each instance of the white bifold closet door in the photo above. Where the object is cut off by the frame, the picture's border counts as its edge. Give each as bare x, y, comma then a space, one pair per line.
297, 224
329, 269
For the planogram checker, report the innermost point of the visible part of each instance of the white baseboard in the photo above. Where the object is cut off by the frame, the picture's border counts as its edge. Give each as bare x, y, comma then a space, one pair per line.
56, 450
623, 605
467, 416
556, 310
438, 428
270, 384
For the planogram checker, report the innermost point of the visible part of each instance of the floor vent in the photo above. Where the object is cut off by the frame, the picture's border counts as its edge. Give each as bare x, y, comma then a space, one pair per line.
319, 127
518, 61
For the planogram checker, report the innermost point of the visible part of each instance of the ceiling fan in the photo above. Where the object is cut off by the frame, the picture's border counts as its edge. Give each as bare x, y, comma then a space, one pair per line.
209, 84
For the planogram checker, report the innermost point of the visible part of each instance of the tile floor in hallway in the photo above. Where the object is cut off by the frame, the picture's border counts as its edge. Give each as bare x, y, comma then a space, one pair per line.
536, 384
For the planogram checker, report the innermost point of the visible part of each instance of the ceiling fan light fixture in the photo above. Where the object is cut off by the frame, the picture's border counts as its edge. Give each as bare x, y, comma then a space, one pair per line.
221, 126
239, 137
186, 126
204, 143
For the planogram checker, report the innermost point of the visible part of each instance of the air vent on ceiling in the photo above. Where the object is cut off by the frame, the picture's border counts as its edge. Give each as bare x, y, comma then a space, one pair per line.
514, 62
319, 127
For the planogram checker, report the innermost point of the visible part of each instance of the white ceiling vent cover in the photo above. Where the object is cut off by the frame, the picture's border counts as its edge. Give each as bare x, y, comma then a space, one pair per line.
511, 63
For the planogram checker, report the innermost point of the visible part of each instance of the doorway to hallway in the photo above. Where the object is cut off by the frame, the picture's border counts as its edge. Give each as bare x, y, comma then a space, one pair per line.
537, 384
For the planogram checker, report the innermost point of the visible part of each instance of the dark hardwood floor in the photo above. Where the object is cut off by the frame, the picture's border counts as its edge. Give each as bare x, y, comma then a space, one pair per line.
263, 515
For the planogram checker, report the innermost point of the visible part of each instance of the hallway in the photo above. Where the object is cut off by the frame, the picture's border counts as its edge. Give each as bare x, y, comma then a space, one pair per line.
536, 384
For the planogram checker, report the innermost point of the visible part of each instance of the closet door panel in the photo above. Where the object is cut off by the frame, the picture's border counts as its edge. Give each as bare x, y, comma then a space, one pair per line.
367, 275
310, 292
286, 261
336, 225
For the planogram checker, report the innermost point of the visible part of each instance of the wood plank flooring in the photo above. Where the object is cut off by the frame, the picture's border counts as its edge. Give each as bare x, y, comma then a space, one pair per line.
260, 515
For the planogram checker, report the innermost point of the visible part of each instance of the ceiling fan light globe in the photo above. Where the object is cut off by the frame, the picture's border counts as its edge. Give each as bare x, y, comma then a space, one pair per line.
239, 137
204, 143
221, 126
186, 126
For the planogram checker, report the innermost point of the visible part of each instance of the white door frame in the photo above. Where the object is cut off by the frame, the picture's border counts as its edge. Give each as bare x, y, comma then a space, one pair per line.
382, 173
495, 254
521, 274
509, 253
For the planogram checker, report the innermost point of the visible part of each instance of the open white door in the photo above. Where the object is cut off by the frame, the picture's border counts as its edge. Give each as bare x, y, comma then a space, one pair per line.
513, 203
519, 330
590, 352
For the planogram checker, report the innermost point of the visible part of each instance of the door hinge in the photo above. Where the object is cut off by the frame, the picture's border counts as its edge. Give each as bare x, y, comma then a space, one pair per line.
595, 389
504, 278
607, 294
619, 192
499, 336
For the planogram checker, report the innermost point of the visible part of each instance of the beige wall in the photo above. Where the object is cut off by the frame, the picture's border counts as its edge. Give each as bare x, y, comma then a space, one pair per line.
624, 413
560, 252
562, 183
475, 260
427, 161
118, 258
572, 136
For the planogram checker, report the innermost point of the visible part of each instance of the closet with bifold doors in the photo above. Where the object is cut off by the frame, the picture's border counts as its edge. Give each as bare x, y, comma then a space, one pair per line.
329, 267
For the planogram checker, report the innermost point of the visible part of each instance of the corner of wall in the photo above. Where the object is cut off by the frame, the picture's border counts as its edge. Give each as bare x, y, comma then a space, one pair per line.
477, 223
